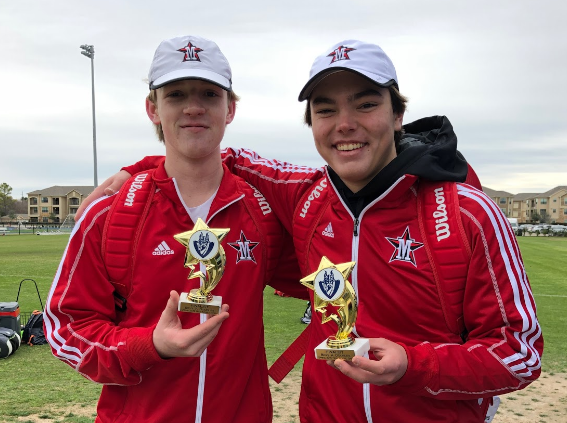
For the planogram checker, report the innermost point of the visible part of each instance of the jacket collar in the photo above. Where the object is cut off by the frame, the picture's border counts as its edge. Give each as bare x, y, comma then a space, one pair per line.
228, 192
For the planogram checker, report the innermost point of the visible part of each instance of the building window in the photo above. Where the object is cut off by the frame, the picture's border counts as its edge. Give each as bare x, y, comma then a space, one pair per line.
73, 210
55, 210
543, 201
555, 200
56, 201
554, 211
73, 201
44, 199
33, 210
502, 201
45, 220
44, 209
33, 201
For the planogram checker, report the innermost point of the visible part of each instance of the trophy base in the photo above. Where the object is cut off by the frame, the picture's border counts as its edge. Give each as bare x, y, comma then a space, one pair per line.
188, 306
360, 347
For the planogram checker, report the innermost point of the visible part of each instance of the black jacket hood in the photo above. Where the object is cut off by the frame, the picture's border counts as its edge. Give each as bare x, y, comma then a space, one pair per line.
428, 149
432, 145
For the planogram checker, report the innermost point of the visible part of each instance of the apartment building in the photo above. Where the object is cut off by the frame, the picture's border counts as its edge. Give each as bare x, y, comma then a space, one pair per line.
55, 203
550, 206
503, 199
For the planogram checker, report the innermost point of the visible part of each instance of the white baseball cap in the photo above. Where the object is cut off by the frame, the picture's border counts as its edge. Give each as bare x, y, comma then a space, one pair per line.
366, 59
189, 57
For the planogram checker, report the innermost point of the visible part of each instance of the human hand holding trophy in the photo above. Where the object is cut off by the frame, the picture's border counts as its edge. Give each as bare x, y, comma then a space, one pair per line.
203, 249
330, 285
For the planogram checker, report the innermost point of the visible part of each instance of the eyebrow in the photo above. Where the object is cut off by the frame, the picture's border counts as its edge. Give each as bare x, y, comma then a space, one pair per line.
322, 100
365, 93
325, 100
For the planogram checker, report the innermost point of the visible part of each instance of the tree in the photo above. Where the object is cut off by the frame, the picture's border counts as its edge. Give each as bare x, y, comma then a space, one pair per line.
6, 200
536, 217
21, 206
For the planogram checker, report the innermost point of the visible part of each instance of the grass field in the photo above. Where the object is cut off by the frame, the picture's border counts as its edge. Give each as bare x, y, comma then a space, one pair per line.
32, 379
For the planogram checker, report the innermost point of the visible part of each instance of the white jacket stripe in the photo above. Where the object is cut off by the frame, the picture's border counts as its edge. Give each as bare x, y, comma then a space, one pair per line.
517, 277
52, 322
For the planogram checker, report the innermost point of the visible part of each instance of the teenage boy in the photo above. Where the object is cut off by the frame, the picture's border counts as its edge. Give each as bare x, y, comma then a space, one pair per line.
158, 365
450, 324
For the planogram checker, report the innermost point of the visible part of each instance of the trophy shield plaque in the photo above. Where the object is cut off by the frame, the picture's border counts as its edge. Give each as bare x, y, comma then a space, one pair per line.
331, 287
206, 259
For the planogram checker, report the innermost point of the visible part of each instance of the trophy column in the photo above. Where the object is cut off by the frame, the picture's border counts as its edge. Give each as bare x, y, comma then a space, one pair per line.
203, 248
330, 286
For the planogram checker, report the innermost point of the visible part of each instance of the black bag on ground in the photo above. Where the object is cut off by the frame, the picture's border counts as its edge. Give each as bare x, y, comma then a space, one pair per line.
9, 342
33, 330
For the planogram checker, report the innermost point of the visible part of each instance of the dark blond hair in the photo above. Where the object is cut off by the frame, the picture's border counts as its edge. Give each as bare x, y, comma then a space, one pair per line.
399, 103
152, 96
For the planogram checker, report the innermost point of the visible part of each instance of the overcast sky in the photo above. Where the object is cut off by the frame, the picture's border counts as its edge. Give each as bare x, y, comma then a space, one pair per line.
496, 69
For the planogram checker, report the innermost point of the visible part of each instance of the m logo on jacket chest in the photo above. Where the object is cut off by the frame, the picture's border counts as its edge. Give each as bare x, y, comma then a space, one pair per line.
404, 247
244, 247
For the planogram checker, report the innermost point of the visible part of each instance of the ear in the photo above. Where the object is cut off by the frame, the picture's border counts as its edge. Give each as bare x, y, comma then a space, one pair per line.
398, 121
230, 112
152, 111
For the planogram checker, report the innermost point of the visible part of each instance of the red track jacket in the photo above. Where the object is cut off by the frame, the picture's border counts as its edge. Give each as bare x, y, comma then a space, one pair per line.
229, 382
448, 379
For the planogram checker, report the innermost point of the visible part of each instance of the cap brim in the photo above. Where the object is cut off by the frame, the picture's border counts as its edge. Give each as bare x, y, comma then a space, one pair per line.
313, 82
181, 74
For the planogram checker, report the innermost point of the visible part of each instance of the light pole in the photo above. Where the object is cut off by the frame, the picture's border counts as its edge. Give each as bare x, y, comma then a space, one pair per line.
88, 50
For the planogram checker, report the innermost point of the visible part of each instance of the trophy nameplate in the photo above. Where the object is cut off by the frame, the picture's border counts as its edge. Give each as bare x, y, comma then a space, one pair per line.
203, 249
210, 307
359, 347
331, 287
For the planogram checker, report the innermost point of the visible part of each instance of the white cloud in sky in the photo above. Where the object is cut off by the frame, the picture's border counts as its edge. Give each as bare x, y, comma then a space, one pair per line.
496, 69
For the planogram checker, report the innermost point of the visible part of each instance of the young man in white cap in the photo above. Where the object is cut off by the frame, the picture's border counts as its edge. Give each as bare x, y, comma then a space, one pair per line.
442, 292
158, 365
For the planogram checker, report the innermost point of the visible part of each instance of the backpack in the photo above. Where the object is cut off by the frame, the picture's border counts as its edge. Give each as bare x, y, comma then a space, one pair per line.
9, 342
438, 209
122, 230
33, 333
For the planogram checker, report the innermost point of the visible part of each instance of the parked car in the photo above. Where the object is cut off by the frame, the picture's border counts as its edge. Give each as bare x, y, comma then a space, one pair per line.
557, 229
514, 224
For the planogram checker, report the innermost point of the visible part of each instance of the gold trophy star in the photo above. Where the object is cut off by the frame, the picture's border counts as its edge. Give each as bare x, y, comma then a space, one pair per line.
185, 239
320, 304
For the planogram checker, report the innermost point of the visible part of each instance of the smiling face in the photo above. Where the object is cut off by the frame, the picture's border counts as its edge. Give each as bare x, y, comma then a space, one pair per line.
353, 126
193, 115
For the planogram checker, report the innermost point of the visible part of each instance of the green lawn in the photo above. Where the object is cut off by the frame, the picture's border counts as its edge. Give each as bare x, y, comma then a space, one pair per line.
32, 378
545, 259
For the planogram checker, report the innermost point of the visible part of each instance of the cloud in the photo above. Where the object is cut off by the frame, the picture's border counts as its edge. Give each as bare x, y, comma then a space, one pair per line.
496, 69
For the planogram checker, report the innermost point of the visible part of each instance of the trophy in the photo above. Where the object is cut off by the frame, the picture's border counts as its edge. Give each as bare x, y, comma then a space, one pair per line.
205, 251
330, 286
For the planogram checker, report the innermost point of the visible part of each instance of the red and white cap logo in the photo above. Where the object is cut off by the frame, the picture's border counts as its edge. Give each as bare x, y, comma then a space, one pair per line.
366, 59
189, 57
340, 53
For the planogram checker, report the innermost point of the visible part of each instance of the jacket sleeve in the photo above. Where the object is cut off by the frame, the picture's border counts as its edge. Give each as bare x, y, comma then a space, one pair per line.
502, 352
80, 318
147, 163
283, 184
